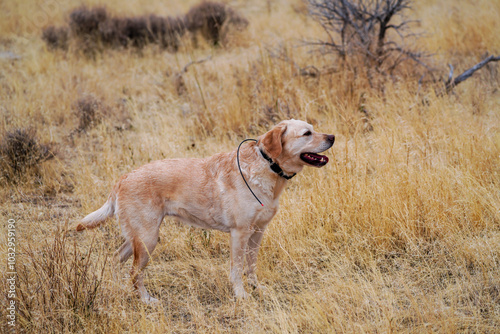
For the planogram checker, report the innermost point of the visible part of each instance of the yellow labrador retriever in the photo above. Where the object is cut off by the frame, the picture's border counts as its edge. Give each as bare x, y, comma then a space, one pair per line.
211, 193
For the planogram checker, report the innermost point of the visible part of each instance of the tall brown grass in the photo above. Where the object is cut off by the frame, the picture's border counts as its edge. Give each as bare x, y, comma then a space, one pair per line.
400, 232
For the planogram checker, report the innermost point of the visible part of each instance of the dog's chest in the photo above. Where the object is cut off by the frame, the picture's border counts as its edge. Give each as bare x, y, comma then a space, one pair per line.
263, 215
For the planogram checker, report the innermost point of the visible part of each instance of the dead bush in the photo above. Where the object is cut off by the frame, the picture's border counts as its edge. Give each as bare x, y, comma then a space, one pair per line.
211, 19
94, 28
142, 30
89, 111
56, 37
376, 32
84, 24
20, 151
57, 284
85, 21
124, 32
166, 31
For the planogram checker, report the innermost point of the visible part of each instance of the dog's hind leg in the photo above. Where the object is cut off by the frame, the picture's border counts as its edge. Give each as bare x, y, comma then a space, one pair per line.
120, 256
142, 249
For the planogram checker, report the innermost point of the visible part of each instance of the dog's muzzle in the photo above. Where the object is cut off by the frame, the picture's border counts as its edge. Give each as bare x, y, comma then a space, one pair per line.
315, 159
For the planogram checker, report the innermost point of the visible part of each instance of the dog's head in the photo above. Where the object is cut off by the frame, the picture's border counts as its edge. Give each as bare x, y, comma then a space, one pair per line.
294, 144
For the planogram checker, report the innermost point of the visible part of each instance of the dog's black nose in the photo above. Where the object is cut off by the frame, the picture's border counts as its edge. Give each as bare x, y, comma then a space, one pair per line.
331, 138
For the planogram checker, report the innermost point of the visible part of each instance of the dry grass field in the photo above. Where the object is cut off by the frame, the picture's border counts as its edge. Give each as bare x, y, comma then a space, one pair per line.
400, 232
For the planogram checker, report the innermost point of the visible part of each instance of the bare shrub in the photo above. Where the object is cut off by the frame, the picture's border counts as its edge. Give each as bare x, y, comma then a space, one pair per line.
57, 284
84, 24
20, 150
89, 111
96, 28
165, 31
129, 31
143, 30
375, 30
56, 37
210, 18
85, 21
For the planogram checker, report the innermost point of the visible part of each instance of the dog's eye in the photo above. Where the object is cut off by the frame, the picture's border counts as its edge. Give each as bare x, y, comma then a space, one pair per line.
308, 133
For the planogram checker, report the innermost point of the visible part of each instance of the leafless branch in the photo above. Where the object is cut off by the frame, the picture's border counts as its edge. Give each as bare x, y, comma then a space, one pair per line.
185, 68
450, 84
178, 78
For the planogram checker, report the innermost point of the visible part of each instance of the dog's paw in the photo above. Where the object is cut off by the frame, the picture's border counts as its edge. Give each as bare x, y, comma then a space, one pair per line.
259, 287
256, 286
150, 300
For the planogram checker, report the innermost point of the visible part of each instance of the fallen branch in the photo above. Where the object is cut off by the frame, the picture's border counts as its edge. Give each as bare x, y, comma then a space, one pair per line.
180, 85
450, 84
185, 68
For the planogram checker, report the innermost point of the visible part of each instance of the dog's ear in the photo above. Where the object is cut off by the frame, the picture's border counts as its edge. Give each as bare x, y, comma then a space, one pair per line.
272, 141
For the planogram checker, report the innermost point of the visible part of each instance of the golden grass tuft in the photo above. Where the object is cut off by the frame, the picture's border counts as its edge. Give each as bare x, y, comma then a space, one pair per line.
400, 232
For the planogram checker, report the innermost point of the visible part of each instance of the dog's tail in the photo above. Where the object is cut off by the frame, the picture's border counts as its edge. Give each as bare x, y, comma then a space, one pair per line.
96, 218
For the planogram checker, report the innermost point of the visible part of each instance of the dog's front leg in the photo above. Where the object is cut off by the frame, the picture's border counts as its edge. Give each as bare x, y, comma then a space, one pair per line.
239, 241
252, 252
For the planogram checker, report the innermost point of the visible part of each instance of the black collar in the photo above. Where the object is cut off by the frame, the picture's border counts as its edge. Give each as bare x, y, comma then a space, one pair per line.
275, 167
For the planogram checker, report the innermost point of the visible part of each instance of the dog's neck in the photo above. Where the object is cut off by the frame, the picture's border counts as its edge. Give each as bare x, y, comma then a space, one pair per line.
275, 167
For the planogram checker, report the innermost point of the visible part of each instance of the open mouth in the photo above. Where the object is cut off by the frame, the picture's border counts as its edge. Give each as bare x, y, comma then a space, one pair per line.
316, 160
